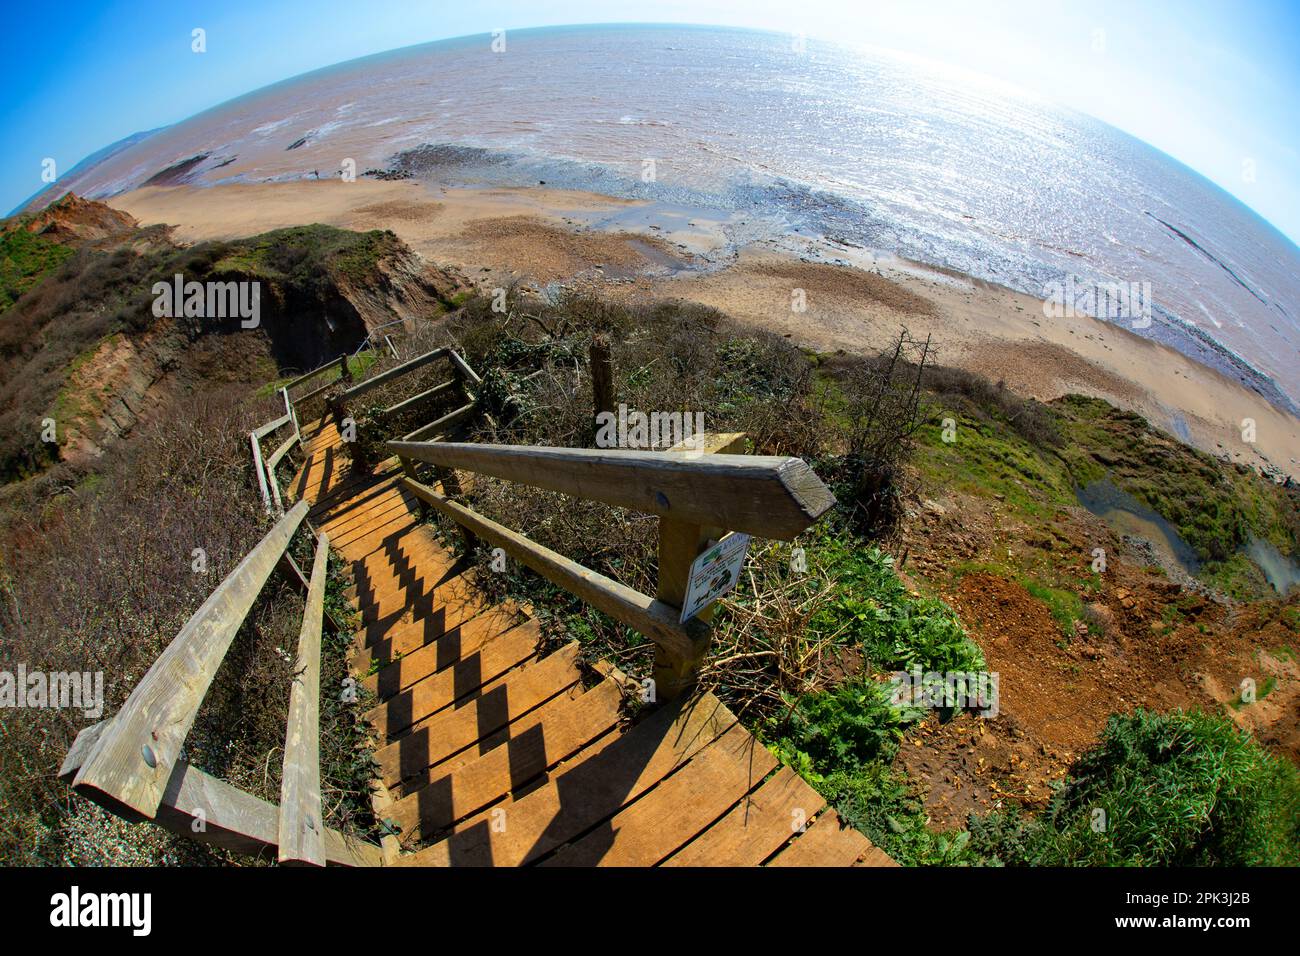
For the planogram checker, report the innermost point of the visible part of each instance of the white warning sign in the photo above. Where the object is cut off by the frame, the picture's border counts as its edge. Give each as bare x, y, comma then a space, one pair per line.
714, 573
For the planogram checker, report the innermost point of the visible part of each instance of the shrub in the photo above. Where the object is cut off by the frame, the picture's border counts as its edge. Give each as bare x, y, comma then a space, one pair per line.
1176, 789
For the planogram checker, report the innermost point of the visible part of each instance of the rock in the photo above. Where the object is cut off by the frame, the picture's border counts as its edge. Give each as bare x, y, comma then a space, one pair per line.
1099, 617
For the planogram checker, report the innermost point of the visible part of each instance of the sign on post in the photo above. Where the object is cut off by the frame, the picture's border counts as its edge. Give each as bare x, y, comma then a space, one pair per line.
714, 573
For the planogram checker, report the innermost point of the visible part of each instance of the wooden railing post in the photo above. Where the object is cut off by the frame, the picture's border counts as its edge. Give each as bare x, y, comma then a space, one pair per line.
680, 543
601, 360
345, 373
302, 827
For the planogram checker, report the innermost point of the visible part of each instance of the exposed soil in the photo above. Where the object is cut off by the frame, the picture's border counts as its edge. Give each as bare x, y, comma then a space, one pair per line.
1154, 644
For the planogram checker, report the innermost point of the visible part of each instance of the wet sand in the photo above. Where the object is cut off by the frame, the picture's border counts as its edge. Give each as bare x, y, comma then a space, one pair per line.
546, 236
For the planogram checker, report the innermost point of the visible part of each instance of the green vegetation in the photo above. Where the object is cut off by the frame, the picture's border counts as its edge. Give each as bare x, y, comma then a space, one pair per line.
25, 258
871, 607
1215, 506
1177, 789
305, 255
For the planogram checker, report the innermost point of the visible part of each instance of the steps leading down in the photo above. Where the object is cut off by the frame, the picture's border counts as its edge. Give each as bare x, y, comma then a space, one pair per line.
490, 751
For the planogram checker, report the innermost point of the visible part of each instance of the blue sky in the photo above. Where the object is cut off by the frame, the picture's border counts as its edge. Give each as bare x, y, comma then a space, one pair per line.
1213, 84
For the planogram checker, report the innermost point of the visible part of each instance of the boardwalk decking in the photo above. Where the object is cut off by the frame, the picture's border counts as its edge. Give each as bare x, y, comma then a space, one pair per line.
495, 754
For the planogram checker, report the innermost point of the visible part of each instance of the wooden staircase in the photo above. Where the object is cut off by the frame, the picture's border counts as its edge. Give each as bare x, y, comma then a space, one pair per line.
492, 751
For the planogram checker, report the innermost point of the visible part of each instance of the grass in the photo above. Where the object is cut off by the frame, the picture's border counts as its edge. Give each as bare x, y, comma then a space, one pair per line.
1215, 506
990, 460
1178, 789
26, 258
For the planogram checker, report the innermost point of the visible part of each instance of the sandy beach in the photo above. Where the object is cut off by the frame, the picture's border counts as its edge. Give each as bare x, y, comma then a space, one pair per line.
547, 235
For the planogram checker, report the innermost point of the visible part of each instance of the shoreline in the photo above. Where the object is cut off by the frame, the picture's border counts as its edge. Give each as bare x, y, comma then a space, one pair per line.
631, 248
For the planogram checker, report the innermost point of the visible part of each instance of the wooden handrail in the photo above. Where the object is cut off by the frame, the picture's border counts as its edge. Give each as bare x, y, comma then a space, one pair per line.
302, 832
263, 430
130, 766
395, 372
424, 396
318, 370
764, 495
448, 421
201, 807
655, 619
471, 377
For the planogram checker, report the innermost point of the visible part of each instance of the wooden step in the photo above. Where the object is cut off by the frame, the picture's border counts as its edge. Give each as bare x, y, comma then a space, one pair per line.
442, 650
449, 732
469, 675
528, 748
406, 634
587, 793
826, 842
681, 806
756, 827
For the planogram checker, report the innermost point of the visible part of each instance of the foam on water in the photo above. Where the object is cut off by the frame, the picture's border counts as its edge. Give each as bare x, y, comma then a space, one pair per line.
864, 148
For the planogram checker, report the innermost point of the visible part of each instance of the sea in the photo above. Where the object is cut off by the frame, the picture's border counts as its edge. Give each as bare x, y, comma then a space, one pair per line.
856, 148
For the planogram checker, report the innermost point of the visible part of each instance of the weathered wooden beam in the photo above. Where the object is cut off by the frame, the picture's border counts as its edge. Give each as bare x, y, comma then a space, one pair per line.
302, 830
448, 421
132, 764
654, 619
280, 453
462, 366
396, 372
315, 391
316, 371
601, 362
424, 396
293, 415
290, 567
199, 806
260, 468
263, 430
768, 496
680, 543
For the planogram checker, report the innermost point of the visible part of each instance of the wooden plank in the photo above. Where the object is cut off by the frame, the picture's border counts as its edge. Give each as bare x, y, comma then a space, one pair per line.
133, 764
530, 746
757, 826
680, 543
260, 469
448, 732
826, 842
203, 808
385, 641
279, 453
764, 495
263, 430
455, 641
655, 619
426, 395
395, 372
587, 793
313, 373
445, 423
453, 590
441, 689
302, 828
678, 808
463, 367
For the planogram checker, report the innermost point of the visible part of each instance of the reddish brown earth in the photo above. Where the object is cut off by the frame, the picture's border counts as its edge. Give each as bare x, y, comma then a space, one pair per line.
1162, 647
